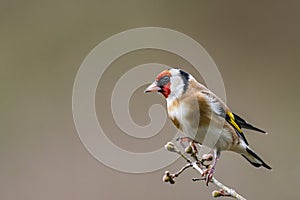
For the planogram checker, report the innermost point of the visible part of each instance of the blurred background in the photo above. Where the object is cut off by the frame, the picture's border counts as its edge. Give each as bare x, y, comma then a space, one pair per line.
255, 45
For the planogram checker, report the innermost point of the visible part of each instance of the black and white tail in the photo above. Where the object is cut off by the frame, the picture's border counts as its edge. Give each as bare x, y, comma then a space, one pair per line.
254, 159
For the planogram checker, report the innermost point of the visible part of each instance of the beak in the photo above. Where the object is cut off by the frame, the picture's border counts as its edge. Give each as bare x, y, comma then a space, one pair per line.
152, 88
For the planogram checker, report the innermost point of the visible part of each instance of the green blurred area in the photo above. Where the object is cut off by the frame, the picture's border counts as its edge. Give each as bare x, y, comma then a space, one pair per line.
255, 45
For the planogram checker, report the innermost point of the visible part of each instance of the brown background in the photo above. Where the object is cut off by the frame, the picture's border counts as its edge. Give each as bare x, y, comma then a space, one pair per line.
42, 44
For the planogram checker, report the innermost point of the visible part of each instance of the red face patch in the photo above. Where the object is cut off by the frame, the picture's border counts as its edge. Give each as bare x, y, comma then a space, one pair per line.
166, 90
163, 81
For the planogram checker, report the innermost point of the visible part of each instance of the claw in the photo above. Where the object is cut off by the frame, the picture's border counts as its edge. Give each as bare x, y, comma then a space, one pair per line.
194, 147
205, 172
208, 173
190, 140
184, 139
191, 149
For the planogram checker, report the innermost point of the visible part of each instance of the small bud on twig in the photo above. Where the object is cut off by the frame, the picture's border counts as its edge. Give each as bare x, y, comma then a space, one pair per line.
168, 177
189, 149
216, 193
220, 193
171, 147
199, 165
207, 157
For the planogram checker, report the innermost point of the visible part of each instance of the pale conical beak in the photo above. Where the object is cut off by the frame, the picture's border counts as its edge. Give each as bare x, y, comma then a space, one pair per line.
152, 88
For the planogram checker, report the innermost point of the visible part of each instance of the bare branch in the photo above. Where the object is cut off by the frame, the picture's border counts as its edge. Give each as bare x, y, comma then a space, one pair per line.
199, 166
224, 188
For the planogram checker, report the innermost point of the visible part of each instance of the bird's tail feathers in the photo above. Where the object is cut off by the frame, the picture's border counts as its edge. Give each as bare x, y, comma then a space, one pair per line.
254, 159
244, 124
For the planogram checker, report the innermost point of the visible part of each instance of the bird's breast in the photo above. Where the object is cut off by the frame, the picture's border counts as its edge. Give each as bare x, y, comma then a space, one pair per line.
188, 120
179, 114
175, 114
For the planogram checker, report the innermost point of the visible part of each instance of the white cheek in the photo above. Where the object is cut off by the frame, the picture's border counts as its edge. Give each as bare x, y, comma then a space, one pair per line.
174, 83
176, 86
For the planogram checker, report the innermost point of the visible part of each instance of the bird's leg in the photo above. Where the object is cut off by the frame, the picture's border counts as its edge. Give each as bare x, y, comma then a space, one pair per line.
194, 147
184, 139
189, 140
210, 172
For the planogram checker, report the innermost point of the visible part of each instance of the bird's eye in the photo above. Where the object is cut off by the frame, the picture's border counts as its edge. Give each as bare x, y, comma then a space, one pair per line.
164, 80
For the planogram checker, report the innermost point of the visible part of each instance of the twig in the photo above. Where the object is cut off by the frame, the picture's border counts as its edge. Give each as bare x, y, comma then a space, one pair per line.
224, 190
183, 169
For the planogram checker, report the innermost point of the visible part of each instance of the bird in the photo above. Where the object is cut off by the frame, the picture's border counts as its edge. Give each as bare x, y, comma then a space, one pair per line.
196, 111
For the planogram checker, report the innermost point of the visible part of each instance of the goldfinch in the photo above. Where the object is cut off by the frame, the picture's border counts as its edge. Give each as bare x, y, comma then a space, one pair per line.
197, 111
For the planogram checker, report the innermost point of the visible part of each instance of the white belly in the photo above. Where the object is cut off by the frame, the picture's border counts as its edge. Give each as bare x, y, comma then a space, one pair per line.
215, 136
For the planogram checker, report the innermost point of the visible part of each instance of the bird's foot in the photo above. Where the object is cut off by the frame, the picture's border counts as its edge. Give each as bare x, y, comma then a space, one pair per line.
208, 173
184, 139
189, 140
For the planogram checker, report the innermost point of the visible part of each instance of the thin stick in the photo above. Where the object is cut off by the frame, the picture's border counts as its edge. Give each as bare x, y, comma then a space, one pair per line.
226, 189
182, 169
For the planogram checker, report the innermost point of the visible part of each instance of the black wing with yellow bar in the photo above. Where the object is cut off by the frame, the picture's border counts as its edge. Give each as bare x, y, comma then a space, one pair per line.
230, 118
243, 124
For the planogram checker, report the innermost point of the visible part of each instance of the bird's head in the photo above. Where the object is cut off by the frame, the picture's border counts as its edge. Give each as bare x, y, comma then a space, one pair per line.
170, 83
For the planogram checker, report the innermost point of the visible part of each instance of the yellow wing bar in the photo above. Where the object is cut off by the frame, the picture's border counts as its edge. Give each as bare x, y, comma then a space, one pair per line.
231, 120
